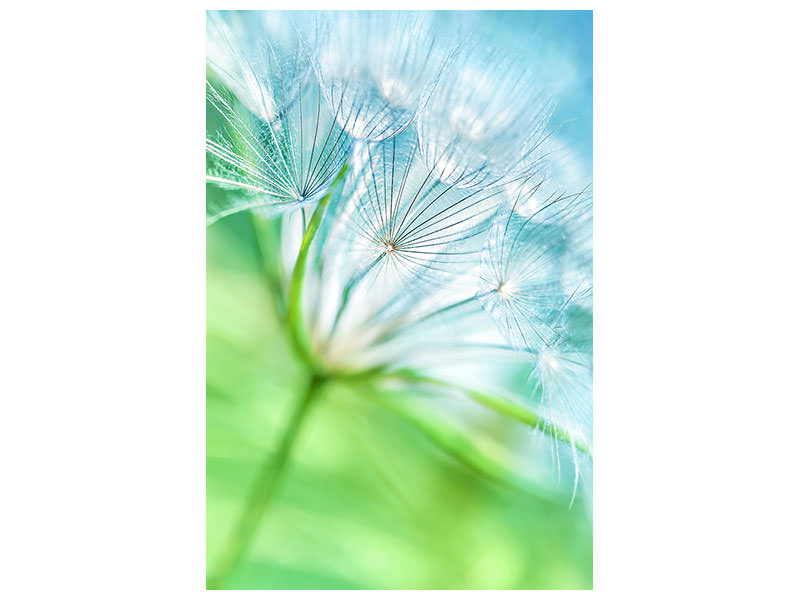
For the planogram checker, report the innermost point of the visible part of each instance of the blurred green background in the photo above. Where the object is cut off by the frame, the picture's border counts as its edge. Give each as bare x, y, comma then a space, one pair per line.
369, 499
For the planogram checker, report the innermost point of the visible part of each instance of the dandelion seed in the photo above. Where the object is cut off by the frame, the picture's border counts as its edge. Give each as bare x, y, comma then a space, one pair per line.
284, 152
243, 48
486, 121
381, 67
396, 205
564, 381
521, 272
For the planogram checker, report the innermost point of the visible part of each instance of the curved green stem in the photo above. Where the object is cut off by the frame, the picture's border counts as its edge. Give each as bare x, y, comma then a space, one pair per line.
294, 314
503, 406
262, 492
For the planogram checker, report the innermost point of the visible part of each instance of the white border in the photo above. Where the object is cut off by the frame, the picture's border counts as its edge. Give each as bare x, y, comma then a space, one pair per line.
696, 268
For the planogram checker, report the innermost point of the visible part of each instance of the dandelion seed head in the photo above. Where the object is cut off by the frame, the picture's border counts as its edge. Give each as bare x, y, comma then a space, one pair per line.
531, 248
446, 186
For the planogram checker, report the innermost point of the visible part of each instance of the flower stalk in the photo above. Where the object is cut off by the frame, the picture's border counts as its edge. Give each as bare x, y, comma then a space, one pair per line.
274, 466
263, 490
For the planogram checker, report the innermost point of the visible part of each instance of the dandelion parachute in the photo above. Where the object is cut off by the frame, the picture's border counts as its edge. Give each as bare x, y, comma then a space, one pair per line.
279, 145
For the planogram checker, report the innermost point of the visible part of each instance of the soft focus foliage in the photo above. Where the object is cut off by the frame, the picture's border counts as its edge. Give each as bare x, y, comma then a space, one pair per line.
407, 219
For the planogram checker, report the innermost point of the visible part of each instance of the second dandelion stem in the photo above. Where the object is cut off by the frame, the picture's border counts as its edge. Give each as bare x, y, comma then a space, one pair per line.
503, 406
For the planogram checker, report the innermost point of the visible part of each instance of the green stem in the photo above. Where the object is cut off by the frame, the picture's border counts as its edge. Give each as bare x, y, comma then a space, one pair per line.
503, 406
294, 314
263, 490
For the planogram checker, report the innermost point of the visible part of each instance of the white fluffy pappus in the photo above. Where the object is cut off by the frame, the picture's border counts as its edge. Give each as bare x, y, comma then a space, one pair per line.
380, 67
487, 119
276, 144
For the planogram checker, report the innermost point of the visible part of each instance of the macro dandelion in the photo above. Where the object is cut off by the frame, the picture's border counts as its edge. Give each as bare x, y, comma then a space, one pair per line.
426, 245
